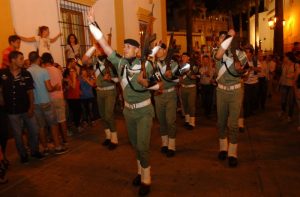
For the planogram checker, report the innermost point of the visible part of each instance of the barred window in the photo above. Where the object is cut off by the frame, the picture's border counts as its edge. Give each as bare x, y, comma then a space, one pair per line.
72, 19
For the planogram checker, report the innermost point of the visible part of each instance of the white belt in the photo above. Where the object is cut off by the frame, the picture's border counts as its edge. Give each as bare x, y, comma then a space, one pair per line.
138, 105
169, 90
232, 87
105, 88
188, 86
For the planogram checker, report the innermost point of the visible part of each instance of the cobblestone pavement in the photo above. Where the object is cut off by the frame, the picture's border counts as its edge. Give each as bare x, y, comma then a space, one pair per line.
268, 163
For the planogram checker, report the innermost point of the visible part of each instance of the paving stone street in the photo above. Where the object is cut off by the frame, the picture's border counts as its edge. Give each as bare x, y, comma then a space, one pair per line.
268, 163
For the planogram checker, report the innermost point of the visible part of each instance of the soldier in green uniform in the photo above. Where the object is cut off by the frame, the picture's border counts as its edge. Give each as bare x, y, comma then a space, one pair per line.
188, 93
106, 93
229, 97
106, 97
138, 110
166, 99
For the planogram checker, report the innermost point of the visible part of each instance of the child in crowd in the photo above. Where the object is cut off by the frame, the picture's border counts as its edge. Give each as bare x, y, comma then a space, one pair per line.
72, 93
42, 39
86, 86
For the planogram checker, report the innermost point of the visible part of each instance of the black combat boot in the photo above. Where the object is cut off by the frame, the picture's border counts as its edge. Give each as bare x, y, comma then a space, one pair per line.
232, 162
137, 180
144, 189
222, 155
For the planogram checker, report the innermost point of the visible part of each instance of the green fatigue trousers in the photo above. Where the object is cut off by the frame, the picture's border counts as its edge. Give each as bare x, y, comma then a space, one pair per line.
139, 123
165, 106
229, 104
106, 103
188, 96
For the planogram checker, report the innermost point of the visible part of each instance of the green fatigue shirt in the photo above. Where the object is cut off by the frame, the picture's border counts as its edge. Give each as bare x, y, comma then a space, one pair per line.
162, 67
226, 79
187, 80
131, 71
100, 72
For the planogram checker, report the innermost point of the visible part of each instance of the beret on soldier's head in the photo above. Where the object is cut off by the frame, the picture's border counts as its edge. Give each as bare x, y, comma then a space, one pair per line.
132, 42
163, 45
249, 47
293, 56
186, 53
223, 33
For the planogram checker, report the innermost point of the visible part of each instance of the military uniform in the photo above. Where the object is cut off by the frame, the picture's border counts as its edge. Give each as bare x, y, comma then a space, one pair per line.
165, 105
188, 96
229, 101
138, 112
106, 97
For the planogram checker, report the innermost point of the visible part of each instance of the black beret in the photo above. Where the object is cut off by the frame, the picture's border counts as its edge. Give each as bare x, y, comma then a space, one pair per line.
249, 47
186, 53
163, 45
223, 33
293, 56
132, 42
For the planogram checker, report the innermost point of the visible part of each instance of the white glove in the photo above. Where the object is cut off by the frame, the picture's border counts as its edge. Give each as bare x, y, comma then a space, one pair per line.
90, 51
115, 79
96, 32
154, 51
226, 43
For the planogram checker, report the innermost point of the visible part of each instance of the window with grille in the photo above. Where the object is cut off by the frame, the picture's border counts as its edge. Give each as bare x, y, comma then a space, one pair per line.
72, 19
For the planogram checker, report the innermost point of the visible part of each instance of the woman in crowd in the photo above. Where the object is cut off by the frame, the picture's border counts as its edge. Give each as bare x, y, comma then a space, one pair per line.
73, 48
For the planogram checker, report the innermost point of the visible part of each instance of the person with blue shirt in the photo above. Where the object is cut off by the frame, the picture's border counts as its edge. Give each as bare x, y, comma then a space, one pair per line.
43, 108
86, 86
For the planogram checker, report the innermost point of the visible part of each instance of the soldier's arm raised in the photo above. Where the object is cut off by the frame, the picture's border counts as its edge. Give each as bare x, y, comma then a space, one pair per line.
97, 33
224, 45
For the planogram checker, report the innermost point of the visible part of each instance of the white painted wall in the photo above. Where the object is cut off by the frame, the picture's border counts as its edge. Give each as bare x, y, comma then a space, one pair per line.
104, 15
252, 31
266, 35
157, 26
27, 19
28, 15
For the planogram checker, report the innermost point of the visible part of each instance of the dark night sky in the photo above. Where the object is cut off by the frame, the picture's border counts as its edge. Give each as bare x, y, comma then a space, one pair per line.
211, 5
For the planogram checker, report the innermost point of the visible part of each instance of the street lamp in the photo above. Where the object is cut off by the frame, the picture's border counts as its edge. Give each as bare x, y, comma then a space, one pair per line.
272, 22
